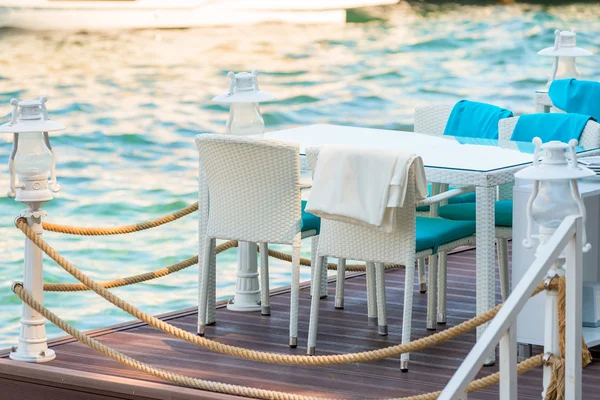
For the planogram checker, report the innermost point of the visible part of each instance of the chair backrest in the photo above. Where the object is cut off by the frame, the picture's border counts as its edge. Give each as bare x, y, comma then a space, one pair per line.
253, 186
432, 119
590, 137
355, 242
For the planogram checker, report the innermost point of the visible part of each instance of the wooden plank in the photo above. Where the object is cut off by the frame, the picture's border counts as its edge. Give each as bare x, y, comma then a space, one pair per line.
25, 381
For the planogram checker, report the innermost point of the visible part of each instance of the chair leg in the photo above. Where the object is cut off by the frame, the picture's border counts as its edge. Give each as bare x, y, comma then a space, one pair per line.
382, 326
432, 292
422, 279
340, 283
502, 245
323, 286
409, 281
295, 291
371, 295
314, 310
314, 244
203, 292
442, 283
211, 304
265, 305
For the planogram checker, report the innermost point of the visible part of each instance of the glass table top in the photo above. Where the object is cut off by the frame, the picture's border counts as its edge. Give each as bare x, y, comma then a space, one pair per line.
445, 152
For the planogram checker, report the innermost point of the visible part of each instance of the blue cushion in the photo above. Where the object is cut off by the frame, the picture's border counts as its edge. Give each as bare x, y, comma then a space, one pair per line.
466, 212
476, 120
463, 198
310, 221
574, 96
554, 126
434, 232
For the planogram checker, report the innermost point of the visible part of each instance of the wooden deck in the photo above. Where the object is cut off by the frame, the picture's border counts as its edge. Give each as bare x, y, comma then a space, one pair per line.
80, 373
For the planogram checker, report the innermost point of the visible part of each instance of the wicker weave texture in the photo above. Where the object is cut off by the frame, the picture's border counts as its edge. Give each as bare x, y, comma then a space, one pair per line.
432, 119
254, 188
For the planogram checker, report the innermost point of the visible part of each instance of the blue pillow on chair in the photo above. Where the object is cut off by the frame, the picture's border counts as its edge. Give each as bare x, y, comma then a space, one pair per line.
550, 126
477, 120
574, 96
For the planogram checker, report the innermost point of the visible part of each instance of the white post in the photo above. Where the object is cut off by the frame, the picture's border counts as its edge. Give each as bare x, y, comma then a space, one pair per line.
573, 319
508, 362
247, 291
33, 346
551, 336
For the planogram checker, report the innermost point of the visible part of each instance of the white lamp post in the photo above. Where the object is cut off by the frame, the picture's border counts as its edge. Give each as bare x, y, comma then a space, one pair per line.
555, 195
564, 51
32, 159
245, 119
243, 97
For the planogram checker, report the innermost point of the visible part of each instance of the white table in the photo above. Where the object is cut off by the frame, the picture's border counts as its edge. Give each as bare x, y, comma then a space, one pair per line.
485, 164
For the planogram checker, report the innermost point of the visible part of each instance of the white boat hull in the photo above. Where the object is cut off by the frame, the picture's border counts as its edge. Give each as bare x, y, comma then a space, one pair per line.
99, 15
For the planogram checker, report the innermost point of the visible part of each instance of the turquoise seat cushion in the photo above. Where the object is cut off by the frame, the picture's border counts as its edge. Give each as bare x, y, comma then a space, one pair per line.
434, 232
463, 198
310, 221
466, 212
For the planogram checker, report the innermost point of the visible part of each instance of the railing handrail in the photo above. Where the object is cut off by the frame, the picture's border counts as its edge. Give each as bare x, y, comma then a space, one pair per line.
506, 317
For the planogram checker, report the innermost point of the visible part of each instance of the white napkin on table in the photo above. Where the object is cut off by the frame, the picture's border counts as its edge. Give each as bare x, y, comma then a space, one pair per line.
363, 186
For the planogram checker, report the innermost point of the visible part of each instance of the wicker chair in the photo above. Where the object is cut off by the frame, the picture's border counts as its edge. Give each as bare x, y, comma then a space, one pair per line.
375, 247
254, 187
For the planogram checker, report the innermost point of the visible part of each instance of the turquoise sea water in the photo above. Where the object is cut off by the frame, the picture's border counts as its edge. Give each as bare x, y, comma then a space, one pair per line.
133, 101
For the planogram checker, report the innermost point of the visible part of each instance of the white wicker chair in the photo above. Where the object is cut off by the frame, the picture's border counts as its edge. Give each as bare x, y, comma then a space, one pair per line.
349, 241
432, 119
254, 187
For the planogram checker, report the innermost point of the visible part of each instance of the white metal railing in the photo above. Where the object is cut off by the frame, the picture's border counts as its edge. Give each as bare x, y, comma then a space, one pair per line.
502, 329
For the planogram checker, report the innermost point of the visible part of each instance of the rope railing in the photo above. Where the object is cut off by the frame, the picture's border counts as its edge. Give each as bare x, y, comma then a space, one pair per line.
119, 230
554, 392
180, 266
237, 390
276, 358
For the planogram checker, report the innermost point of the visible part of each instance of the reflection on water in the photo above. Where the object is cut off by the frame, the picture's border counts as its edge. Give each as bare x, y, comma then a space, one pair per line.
133, 102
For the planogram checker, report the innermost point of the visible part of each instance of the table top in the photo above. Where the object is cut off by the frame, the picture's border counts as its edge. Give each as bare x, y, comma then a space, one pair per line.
444, 152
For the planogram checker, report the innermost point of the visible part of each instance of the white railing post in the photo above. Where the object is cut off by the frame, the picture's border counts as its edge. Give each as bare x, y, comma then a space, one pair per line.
551, 336
573, 321
508, 361
506, 317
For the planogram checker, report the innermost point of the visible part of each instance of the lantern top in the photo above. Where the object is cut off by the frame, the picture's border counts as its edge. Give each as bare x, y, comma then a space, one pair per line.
30, 116
243, 88
556, 164
565, 45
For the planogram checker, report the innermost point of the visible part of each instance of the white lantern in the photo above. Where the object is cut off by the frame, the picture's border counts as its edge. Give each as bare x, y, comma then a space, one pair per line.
32, 157
243, 97
564, 51
555, 192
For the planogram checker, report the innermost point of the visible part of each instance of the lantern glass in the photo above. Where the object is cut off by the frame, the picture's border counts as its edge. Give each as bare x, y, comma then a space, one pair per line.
554, 203
245, 119
566, 68
33, 156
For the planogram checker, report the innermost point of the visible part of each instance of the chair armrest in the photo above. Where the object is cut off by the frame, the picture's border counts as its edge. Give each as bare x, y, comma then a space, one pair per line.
445, 196
304, 186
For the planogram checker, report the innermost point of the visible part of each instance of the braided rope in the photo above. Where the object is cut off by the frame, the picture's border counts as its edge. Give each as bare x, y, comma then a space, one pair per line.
330, 266
274, 358
218, 387
180, 266
130, 280
119, 230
